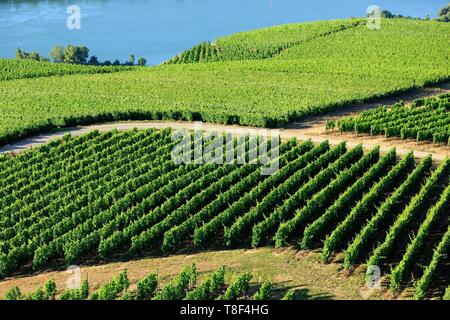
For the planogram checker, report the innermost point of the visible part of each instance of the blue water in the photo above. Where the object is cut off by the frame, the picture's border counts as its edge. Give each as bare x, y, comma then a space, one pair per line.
159, 29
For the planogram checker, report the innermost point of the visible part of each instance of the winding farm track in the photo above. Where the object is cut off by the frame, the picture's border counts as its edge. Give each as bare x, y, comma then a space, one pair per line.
310, 128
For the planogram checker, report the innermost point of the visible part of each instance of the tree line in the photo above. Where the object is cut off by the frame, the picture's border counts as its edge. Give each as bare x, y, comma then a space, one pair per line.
443, 15
76, 55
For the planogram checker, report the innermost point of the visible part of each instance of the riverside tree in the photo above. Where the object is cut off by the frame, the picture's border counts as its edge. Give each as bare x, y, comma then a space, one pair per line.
142, 62
76, 54
57, 53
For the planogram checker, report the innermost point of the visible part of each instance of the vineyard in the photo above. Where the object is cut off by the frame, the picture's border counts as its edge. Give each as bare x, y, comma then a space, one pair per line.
119, 193
263, 43
425, 120
185, 286
22, 69
261, 78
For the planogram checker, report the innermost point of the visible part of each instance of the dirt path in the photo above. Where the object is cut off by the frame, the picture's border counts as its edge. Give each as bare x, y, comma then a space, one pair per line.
311, 128
421, 149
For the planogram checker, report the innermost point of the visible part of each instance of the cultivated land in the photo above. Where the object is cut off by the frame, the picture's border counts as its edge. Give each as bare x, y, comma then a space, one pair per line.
23, 69
424, 120
313, 127
320, 73
100, 196
185, 285
288, 269
114, 200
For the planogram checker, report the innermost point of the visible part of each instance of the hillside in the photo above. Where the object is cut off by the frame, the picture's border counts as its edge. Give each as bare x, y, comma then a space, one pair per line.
315, 67
353, 186
103, 195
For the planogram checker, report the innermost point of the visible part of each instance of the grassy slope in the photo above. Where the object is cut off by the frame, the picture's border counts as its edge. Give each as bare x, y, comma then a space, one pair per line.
322, 73
287, 269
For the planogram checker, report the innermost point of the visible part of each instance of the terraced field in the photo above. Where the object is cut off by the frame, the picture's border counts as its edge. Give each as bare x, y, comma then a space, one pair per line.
261, 78
115, 193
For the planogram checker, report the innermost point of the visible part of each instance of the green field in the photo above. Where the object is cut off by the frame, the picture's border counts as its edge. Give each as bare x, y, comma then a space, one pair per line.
120, 193
425, 120
265, 77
